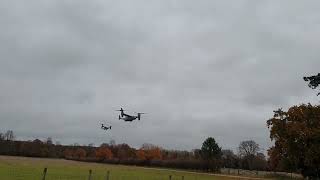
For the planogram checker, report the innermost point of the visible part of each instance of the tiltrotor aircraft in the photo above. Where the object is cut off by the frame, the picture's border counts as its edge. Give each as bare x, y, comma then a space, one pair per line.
127, 117
105, 127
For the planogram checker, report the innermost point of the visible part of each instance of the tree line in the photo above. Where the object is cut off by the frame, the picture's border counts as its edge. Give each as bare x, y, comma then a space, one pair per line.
209, 157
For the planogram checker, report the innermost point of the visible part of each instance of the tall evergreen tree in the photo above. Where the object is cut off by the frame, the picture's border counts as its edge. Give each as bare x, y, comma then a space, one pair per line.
211, 152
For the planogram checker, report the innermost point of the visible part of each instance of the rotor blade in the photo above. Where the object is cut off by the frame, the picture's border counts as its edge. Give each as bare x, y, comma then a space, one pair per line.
140, 113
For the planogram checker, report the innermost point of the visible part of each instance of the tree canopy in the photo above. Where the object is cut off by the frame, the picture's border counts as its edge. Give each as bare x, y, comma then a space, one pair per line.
248, 152
296, 134
103, 153
210, 149
211, 153
248, 148
314, 81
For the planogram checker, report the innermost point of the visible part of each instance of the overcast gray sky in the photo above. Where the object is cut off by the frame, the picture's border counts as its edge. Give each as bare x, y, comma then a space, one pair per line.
198, 68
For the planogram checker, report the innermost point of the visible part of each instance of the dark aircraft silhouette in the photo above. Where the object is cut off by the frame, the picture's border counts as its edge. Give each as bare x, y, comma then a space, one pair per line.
127, 117
105, 127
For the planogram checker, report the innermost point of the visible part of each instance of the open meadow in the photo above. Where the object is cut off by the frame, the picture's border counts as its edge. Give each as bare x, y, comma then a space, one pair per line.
22, 168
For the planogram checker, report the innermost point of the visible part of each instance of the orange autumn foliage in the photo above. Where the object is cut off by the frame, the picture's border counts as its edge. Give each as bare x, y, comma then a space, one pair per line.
296, 136
141, 155
80, 153
104, 153
149, 154
67, 153
154, 153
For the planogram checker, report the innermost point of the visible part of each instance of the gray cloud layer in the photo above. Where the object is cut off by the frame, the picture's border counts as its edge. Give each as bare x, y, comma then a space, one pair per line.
200, 69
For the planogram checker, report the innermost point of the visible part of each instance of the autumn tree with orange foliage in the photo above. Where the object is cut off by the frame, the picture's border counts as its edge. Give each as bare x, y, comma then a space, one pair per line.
103, 153
296, 134
154, 153
141, 155
80, 153
151, 152
68, 153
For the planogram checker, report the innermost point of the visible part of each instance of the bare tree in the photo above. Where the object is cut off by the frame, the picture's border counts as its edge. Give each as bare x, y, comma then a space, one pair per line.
248, 148
49, 141
247, 152
148, 146
9, 136
112, 142
1, 136
197, 153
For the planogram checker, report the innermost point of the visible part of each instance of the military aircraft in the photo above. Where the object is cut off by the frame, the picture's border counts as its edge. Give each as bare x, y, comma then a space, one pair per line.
127, 117
105, 127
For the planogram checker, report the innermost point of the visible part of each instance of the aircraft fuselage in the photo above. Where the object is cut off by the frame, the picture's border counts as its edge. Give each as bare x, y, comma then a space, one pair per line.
128, 118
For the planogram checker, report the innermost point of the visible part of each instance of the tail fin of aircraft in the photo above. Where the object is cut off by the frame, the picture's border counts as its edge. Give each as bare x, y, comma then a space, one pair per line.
139, 115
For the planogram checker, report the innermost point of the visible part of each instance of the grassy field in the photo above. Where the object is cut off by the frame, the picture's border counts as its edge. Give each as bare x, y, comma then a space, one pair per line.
21, 168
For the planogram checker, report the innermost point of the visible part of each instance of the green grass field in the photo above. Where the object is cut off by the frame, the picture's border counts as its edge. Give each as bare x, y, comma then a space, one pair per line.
21, 168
